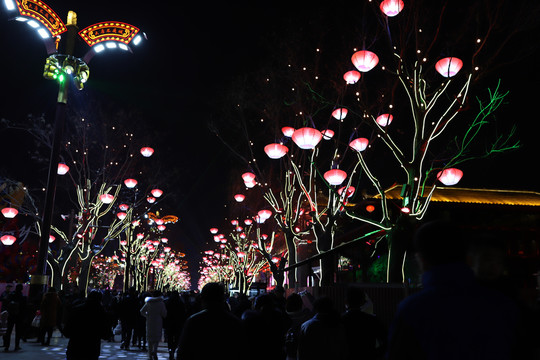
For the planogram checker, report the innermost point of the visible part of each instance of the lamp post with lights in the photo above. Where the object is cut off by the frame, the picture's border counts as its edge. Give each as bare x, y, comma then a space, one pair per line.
63, 67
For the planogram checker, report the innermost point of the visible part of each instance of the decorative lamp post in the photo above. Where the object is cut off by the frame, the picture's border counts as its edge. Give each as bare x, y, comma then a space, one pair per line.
364, 60
359, 144
306, 138
275, 151
351, 77
449, 66
9, 212
335, 176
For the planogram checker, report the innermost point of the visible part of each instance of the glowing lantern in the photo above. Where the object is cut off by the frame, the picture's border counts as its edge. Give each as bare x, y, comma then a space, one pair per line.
384, 119
349, 193
264, 214
130, 183
275, 151
351, 77
359, 144
275, 259
242, 235
250, 184
248, 222
8, 240
161, 227
147, 151
123, 207
157, 192
364, 60
62, 169
217, 239
370, 208
287, 131
327, 134
151, 199
340, 113
143, 258
239, 197
306, 138
449, 66
159, 221
214, 230
234, 222
106, 198
9, 212
248, 176
51, 239
166, 249
140, 236
335, 176
450, 176
164, 240
123, 242
391, 7
121, 215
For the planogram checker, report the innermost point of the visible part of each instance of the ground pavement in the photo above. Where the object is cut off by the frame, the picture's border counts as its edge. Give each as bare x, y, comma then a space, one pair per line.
32, 350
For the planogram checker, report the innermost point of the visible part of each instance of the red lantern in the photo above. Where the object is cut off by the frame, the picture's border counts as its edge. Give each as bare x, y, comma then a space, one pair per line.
62, 169
8, 240
123, 207
359, 144
106, 198
51, 239
340, 113
214, 230
364, 60
241, 254
161, 227
450, 176
166, 249
264, 214
275, 151
248, 176
327, 134
156, 192
370, 208
391, 7
248, 222
123, 242
335, 176
239, 197
449, 66
130, 183
164, 240
307, 138
351, 77
9, 212
147, 151
384, 119
350, 191
287, 131
151, 199
234, 222
250, 184
121, 215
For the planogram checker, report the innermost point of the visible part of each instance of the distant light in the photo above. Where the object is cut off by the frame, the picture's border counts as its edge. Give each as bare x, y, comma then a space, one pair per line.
43, 33
110, 45
21, 19
123, 47
33, 24
10, 4
99, 48
62, 169
137, 40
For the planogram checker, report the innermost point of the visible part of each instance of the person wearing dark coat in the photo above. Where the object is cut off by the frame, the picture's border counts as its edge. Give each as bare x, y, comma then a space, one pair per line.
213, 332
16, 308
49, 309
174, 321
128, 314
86, 326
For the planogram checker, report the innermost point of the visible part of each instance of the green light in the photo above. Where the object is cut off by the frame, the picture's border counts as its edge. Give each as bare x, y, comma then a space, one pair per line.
61, 78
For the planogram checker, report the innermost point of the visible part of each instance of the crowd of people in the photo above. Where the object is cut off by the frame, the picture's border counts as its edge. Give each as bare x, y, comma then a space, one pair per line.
461, 313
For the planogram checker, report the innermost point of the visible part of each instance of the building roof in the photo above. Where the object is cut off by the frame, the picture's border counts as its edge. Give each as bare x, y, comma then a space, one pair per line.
474, 196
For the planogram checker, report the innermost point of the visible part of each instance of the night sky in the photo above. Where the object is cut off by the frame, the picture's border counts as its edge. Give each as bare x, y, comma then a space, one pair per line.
193, 51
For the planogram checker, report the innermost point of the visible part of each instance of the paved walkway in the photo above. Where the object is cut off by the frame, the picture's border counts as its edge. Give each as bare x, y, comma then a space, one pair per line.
31, 350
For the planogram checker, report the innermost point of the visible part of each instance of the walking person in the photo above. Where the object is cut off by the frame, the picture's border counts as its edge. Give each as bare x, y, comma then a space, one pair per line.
174, 321
49, 309
16, 308
154, 311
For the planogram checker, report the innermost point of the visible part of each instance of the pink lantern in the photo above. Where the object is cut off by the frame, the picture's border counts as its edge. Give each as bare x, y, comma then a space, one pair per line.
450, 176
287, 131
164, 240
234, 222
307, 138
9, 212
391, 7
51, 239
151, 199
335, 176
241, 254
106, 198
250, 184
123, 242
248, 176
449, 66
130, 183
340, 113
214, 230
384, 119
239, 197
121, 215
140, 236
351, 77
123, 207
350, 191
166, 249
161, 227
216, 238
62, 169
327, 134
275, 151
364, 60
359, 144
265, 214
248, 222
8, 240
156, 192
147, 151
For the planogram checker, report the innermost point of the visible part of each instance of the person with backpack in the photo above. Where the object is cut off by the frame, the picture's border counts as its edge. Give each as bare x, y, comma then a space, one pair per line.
16, 308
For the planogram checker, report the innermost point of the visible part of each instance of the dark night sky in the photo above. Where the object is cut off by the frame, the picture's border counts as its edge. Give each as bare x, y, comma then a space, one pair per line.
192, 52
